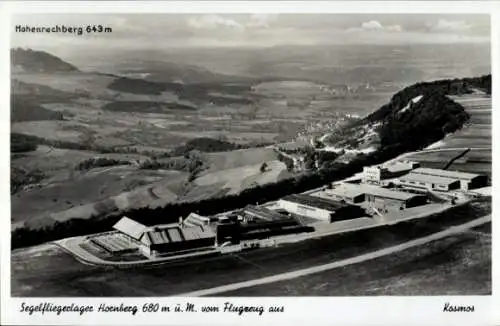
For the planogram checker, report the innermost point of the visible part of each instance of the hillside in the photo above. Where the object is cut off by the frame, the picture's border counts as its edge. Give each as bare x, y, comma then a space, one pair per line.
26, 110
422, 106
168, 72
27, 60
439, 87
27, 101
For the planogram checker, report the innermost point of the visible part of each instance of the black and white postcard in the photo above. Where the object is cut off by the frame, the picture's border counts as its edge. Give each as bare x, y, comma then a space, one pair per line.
227, 163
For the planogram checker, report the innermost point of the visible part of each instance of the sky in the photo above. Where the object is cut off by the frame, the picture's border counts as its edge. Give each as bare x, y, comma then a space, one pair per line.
157, 31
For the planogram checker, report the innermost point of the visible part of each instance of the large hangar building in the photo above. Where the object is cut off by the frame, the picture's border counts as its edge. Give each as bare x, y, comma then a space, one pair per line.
467, 180
319, 208
158, 240
358, 193
429, 182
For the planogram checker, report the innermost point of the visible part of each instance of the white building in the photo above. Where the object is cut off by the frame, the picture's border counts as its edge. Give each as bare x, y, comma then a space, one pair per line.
467, 180
429, 182
374, 174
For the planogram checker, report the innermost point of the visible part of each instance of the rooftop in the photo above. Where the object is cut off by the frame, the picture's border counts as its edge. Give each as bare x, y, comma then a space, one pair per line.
400, 166
313, 201
351, 190
264, 213
176, 234
130, 227
446, 173
347, 190
427, 178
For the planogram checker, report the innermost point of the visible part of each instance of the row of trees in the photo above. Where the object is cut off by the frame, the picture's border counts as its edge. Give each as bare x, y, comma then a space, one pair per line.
99, 162
24, 143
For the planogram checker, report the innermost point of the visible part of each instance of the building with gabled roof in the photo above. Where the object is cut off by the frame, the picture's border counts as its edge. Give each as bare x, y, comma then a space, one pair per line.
163, 239
130, 227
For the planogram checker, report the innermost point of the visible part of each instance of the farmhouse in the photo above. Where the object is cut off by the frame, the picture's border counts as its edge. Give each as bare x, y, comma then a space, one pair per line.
319, 208
430, 182
467, 180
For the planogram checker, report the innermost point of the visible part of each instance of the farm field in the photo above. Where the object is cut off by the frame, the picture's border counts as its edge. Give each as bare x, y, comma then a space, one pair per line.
162, 121
243, 177
124, 187
476, 134
452, 266
477, 131
52, 160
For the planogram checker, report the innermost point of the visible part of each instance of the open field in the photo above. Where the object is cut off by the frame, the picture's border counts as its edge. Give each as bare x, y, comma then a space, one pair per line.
475, 161
64, 192
51, 160
60, 196
477, 131
273, 111
239, 158
241, 178
452, 266
476, 134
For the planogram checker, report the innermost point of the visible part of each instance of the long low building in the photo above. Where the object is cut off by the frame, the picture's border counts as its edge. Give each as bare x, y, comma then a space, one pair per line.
346, 192
319, 208
262, 213
429, 182
358, 193
467, 180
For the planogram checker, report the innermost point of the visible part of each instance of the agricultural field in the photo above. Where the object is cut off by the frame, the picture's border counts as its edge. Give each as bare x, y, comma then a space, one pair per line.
130, 115
476, 135
240, 178
477, 131
81, 194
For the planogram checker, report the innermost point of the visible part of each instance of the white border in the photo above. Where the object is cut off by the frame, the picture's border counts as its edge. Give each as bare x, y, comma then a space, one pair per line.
369, 7
348, 310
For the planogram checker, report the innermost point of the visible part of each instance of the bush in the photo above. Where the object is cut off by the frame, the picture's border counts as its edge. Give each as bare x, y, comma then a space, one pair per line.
20, 143
20, 177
